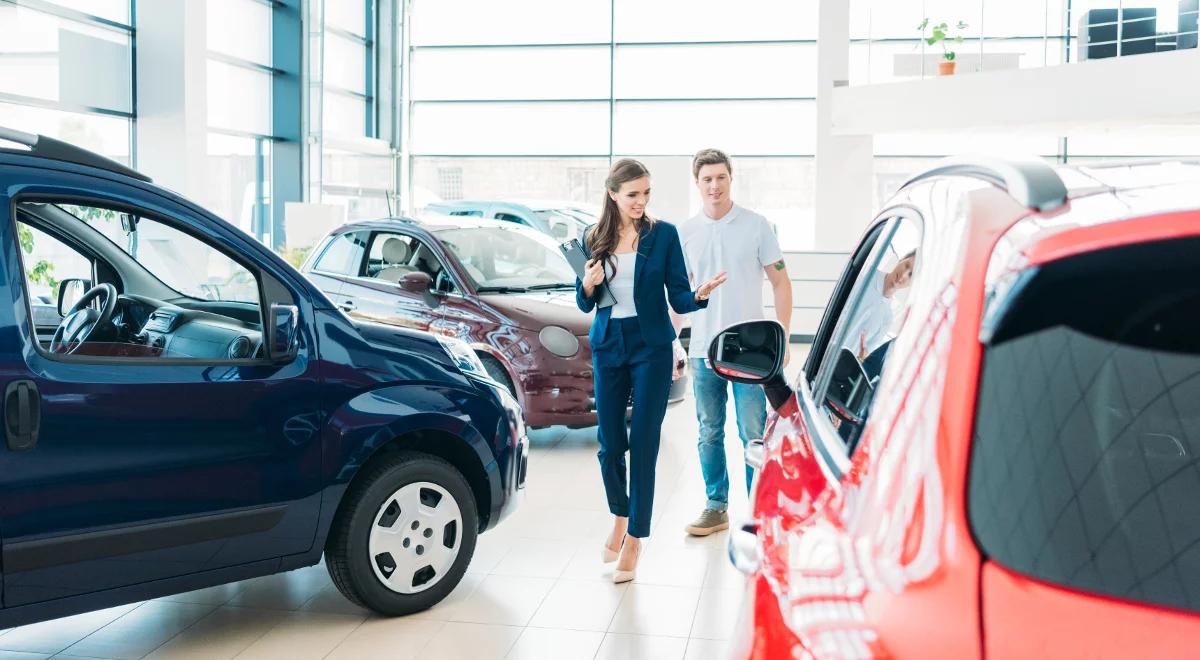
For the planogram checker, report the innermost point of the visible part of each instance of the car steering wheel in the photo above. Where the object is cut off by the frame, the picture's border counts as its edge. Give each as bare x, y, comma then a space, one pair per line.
81, 322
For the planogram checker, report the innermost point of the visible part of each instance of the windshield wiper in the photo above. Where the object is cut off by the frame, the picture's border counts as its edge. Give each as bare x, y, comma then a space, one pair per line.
545, 287
502, 289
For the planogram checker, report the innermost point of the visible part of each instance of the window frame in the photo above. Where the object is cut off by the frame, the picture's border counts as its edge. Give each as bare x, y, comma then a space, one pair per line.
184, 227
815, 377
329, 245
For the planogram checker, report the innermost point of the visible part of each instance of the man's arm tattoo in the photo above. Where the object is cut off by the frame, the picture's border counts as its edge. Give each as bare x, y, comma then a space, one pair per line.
780, 265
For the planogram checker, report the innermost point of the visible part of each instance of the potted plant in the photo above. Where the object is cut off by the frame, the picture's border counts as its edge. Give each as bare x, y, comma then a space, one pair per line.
940, 35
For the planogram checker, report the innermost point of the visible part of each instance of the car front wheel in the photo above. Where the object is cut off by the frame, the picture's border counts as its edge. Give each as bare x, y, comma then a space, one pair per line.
404, 535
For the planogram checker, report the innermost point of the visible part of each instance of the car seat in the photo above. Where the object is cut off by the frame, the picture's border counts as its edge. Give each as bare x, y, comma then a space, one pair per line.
396, 254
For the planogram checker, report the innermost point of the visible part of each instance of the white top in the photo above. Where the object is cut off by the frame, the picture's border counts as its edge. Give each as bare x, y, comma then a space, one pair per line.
621, 285
872, 322
741, 244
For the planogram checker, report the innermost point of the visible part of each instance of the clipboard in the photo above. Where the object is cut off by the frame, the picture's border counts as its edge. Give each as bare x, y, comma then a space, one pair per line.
578, 258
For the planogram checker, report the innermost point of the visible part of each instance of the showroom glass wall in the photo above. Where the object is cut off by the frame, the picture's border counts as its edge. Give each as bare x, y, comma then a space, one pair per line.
239, 90
534, 99
66, 71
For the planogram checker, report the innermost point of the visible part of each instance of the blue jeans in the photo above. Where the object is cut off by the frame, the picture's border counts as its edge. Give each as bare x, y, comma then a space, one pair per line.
712, 393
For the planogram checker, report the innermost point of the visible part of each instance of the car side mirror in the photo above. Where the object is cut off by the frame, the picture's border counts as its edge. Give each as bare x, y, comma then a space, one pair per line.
559, 230
421, 284
284, 332
753, 352
69, 293
750, 352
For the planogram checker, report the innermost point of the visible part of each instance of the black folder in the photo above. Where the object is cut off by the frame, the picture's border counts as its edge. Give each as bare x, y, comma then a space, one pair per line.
578, 258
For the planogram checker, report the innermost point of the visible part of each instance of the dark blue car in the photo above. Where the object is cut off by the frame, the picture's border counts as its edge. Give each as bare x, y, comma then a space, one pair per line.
165, 434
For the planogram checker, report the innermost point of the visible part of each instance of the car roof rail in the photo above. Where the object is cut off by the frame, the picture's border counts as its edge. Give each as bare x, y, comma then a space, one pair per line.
1033, 183
47, 147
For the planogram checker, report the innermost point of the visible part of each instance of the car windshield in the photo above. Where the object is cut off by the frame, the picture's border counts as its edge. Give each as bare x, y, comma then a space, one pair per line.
178, 260
507, 259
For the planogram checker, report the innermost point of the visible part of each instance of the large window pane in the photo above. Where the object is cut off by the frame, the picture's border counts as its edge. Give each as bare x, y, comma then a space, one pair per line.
241, 28
713, 20
235, 190
113, 10
50, 58
345, 63
1025, 18
108, 136
511, 73
360, 171
344, 114
348, 15
447, 179
749, 127
515, 22
734, 70
511, 128
1128, 142
238, 98
945, 144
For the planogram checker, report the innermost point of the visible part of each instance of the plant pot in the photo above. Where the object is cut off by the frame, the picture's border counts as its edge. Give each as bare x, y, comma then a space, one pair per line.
946, 68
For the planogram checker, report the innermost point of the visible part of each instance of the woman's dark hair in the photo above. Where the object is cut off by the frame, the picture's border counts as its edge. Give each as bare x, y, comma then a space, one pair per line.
602, 239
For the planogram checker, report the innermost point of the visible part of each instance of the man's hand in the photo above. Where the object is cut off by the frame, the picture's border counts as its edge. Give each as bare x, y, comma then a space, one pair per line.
593, 276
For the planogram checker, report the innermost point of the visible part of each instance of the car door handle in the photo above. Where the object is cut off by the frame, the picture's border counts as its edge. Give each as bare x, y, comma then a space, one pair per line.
347, 305
22, 415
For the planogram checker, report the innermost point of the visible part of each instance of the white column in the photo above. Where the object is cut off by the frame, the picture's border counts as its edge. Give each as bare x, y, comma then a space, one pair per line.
845, 164
172, 78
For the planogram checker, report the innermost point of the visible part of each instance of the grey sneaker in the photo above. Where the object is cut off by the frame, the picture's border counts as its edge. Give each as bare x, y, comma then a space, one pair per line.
710, 521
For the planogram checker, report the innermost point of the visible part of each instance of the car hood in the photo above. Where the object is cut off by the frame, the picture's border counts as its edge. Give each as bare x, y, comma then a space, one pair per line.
538, 309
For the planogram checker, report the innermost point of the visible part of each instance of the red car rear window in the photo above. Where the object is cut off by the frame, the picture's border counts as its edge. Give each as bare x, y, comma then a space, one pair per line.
1085, 464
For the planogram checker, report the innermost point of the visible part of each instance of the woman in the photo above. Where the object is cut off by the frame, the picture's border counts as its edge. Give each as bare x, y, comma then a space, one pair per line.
640, 261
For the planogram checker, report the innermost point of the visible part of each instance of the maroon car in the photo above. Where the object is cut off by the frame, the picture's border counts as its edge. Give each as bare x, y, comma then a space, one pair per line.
504, 289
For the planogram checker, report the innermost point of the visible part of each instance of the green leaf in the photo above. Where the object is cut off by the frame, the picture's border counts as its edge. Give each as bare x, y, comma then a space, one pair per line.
950, 56
924, 24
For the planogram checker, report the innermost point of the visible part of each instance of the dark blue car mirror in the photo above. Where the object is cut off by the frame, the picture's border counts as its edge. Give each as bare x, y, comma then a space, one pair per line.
284, 332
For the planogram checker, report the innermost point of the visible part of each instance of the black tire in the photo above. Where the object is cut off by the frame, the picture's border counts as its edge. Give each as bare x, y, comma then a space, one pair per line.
347, 554
497, 373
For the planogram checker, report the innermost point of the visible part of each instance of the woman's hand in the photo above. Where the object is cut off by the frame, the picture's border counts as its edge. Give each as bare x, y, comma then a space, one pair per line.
680, 357
707, 288
592, 277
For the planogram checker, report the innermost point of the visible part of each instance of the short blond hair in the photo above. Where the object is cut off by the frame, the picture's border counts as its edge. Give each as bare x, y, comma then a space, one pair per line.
710, 157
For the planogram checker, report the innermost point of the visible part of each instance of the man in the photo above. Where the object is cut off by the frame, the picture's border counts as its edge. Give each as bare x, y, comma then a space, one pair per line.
727, 238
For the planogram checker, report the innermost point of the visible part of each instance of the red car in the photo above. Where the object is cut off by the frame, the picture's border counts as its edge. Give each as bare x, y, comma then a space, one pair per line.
997, 453
504, 289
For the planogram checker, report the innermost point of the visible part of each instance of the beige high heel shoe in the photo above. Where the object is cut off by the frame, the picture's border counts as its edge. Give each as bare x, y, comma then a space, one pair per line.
620, 576
608, 555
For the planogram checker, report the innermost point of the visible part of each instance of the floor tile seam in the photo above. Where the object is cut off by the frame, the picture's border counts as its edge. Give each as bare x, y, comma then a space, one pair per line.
341, 641
80, 639
259, 638
184, 629
213, 608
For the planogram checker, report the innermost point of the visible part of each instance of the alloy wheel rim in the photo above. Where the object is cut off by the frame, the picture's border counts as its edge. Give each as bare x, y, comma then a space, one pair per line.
415, 537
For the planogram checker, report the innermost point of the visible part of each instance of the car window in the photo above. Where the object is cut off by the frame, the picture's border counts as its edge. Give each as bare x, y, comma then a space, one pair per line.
563, 225
859, 346
180, 297
509, 217
48, 261
1085, 462
500, 258
389, 256
342, 255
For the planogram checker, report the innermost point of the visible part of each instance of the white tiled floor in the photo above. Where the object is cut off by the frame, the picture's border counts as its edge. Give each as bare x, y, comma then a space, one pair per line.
535, 589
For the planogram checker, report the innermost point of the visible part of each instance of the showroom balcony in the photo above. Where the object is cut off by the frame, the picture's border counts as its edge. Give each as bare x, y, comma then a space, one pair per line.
1085, 67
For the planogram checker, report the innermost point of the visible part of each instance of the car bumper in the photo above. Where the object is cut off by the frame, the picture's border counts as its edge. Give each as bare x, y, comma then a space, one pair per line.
565, 396
508, 473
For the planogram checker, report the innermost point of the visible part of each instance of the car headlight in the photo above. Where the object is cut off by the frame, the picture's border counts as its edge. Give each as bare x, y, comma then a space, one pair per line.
559, 341
465, 358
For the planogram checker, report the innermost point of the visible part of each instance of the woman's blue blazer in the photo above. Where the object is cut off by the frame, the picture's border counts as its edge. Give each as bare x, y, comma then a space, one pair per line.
659, 276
